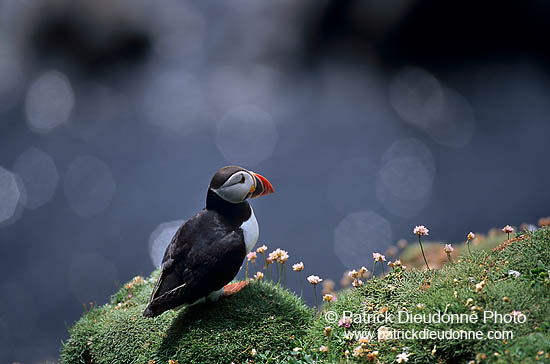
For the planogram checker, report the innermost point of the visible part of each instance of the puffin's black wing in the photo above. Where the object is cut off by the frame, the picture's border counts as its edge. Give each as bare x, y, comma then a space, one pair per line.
204, 255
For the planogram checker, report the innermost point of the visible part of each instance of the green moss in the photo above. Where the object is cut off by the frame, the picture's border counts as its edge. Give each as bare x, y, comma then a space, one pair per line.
448, 290
262, 316
273, 321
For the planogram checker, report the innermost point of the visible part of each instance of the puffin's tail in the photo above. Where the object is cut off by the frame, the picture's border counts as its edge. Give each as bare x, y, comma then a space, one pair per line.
151, 312
166, 301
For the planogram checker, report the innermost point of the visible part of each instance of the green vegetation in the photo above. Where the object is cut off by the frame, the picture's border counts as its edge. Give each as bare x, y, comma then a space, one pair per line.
273, 321
263, 316
456, 288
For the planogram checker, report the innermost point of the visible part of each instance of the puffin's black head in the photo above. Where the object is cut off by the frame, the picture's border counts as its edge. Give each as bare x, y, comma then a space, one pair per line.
235, 184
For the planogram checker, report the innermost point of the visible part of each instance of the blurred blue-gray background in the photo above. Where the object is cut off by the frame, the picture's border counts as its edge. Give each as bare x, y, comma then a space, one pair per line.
368, 116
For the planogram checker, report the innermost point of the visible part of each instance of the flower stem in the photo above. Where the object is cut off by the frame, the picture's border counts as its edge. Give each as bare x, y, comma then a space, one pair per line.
278, 274
246, 272
469, 251
449, 257
266, 267
315, 293
382, 264
301, 285
373, 269
284, 274
422, 250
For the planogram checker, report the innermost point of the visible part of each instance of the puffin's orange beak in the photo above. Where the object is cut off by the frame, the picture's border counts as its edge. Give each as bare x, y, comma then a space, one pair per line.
263, 186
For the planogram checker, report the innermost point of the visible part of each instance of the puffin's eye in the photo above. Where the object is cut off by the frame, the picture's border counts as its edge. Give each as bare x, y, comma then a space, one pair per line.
242, 179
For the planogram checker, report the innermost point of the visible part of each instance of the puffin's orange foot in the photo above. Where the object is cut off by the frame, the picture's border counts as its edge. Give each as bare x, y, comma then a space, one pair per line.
233, 288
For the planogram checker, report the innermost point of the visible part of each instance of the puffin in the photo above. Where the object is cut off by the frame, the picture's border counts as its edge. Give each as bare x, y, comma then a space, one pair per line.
207, 251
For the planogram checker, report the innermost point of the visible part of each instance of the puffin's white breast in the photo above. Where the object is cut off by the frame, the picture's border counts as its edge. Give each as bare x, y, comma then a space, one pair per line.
251, 231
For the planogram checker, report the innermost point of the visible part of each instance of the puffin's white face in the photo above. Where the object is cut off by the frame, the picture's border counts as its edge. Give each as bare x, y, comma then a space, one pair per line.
237, 188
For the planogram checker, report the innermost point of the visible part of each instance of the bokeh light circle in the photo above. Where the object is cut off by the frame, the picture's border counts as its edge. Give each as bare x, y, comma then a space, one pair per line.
89, 186
410, 147
407, 178
456, 123
160, 238
416, 96
421, 100
247, 135
10, 194
49, 101
405, 181
39, 175
360, 234
92, 277
397, 206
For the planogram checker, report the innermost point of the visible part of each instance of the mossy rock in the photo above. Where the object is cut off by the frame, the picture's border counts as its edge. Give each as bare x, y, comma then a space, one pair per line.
262, 316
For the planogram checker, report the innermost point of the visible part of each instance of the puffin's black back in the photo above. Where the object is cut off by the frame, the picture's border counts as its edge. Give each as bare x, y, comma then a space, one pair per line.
204, 255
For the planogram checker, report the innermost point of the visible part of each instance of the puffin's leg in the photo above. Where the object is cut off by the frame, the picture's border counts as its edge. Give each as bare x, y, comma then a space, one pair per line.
233, 288
215, 295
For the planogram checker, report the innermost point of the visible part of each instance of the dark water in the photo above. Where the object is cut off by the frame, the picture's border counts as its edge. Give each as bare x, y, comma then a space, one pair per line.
367, 118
